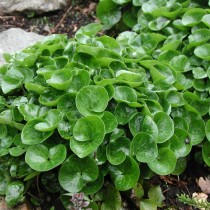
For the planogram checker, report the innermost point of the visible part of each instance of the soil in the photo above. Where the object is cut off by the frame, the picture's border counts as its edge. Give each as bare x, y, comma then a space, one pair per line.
68, 22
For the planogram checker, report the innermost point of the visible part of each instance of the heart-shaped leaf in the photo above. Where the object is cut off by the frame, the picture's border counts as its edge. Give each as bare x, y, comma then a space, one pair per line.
165, 162
144, 147
92, 100
60, 79
193, 16
180, 143
117, 150
203, 51
31, 136
88, 134
124, 113
165, 126
76, 172
126, 174
110, 121
50, 122
143, 123
40, 158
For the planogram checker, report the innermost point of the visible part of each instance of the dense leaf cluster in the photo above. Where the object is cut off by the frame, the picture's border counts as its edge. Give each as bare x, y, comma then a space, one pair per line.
97, 115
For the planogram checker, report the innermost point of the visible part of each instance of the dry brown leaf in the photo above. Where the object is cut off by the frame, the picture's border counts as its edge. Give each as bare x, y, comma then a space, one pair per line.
204, 184
91, 7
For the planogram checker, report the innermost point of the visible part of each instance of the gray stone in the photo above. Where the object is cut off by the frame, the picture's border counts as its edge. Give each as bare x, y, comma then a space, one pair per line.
38, 6
15, 39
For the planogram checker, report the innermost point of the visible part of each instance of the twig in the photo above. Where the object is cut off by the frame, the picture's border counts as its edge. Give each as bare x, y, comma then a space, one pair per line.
9, 17
33, 196
61, 20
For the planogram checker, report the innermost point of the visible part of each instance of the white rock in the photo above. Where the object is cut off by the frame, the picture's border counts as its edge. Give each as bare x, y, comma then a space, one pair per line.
15, 39
39, 6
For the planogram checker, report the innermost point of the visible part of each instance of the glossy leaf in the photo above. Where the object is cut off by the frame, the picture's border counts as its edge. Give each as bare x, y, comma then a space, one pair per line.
143, 123
206, 152
92, 100
180, 143
31, 136
193, 16
165, 162
126, 174
203, 51
144, 147
14, 193
117, 150
165, 126
124, 113
88, 134
207, 130
75, 172
40, 158
110, 121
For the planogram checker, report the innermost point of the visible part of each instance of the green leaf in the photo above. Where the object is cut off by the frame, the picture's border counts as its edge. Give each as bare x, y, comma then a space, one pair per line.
144, 147
146, 204
175, 98
158, 24
206, 152
110, 197
125, 94
143, 123
117, 150
126, 174
40, 158
196, 127
198, 37
207, 130
4, 181
124, 113
51, 120
88, 134
203, 51
92, 100
180, 143
15, 77
31, 136
90, 29
14, 193
193, 16
50, 97
25, 59
121, 1
75, 172
180, 166
180, 63
110, 121
32, 111
165, 126
3, 131
155, 194
108, 13
80, 79
60, 79
205, 20
93, 187
165, 162
19, 148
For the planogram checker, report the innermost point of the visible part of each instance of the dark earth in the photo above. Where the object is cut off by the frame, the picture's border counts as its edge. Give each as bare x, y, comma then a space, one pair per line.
68, 21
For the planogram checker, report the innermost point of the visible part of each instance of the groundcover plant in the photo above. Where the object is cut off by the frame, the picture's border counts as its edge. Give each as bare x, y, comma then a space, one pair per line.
94, 116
